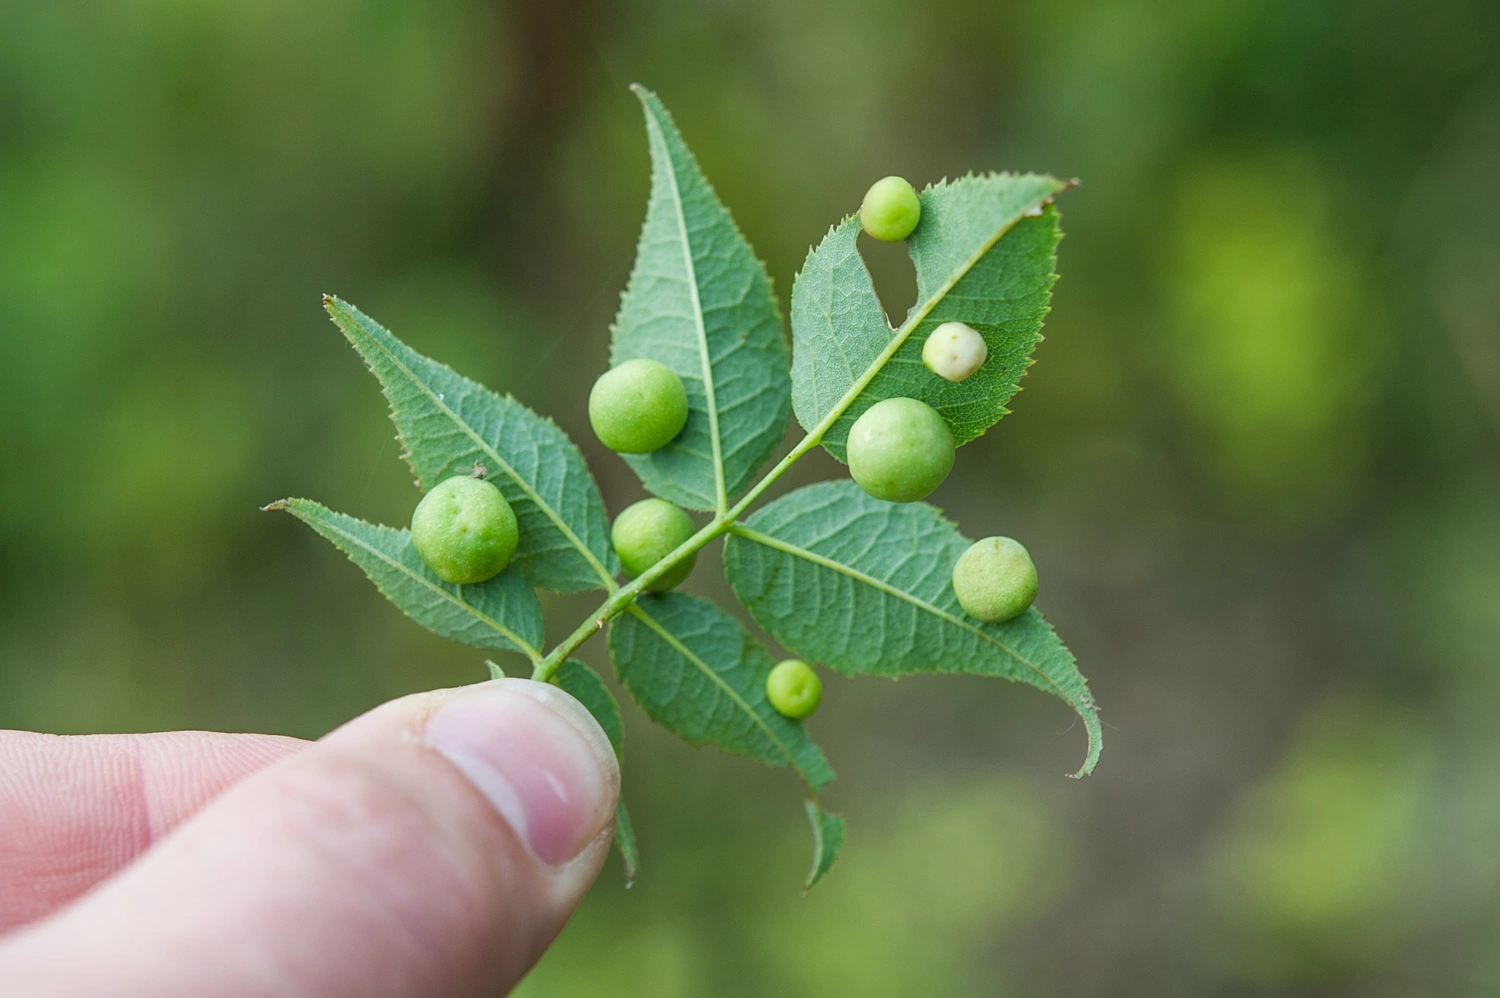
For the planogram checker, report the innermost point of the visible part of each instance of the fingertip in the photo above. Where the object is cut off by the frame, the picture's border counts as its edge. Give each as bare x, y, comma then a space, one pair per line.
549, 773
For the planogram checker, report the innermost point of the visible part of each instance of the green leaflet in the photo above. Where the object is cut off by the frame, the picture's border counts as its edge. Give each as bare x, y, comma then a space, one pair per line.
500, 613
695, 671
700, 302
447, 423
630, 855
585, 686
865, 586
693, 668
984, 253
829, 831
588, 689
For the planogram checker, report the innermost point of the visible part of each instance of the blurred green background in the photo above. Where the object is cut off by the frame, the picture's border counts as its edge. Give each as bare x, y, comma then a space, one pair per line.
1257, 462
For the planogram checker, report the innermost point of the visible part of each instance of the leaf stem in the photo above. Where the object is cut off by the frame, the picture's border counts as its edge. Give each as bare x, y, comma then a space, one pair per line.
622, 597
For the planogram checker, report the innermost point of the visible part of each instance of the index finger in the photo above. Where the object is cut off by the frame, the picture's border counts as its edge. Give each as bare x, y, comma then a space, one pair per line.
74, 809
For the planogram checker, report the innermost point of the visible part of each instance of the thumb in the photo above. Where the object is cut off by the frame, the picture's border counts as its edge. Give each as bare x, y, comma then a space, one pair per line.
435, 845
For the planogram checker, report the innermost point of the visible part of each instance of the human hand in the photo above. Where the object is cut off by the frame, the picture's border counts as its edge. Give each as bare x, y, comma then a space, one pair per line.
434, 846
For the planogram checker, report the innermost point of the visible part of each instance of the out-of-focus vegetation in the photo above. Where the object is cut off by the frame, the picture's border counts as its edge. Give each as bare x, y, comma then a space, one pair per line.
1258, 464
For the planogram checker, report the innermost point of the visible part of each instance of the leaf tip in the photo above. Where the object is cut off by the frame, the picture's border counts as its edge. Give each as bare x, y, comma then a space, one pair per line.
646, 96
279, 504
828, 839
1096, 746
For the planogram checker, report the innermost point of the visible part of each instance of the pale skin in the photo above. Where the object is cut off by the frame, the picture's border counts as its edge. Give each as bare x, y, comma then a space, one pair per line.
435, 845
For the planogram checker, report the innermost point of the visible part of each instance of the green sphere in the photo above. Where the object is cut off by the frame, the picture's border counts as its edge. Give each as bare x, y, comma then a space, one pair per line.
994, 580
900, 450
464, 530
646, 532
891, 210
638, 407
794, 689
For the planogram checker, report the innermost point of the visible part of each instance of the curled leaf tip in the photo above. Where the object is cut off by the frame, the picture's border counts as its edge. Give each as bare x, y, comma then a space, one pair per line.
1096, 744
271, 507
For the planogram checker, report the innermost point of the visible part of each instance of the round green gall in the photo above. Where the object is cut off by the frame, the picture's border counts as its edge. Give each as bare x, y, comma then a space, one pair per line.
954, 351
891, 210
994, 580
900, 450
464, 530
646, 532
794, 689
638, 407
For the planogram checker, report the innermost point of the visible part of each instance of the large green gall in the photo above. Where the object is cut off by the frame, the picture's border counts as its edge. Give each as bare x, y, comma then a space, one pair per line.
464, 530
995, 580
646, 532
900, 450
891, 210
794, 689
638, 407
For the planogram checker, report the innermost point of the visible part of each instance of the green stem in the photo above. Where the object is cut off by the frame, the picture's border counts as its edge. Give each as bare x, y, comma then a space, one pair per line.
625, 595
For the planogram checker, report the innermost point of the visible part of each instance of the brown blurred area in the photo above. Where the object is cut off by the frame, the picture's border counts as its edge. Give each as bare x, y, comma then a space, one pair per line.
1257, 463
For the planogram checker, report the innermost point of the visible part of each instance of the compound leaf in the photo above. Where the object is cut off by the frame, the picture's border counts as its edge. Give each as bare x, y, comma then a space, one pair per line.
984, 253
588, 689
448, 423
700, 302
502, 612
866, 587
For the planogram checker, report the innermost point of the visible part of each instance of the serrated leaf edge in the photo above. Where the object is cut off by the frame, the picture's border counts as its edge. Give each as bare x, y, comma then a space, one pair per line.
689, 655
291, 506
655, 110
824, 851
922, 309
1087, 711
333, 303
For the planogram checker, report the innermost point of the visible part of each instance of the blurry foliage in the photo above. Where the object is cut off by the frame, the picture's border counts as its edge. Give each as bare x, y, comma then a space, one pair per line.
1273, 350
1314, 876
1259, 469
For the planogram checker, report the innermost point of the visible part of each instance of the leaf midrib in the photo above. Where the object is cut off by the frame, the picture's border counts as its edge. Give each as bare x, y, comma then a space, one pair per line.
721, 496
914, 319
484, 445
530, 652
718, 680
749, 533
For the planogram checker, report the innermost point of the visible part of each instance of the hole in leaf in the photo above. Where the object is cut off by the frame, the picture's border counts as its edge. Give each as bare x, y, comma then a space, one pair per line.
894, 276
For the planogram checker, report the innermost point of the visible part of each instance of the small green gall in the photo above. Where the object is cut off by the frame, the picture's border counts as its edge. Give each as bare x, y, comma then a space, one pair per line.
891, 210
954, 351
646, 532
638, 407
464, 530
994, 580
794, 689
900, 450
